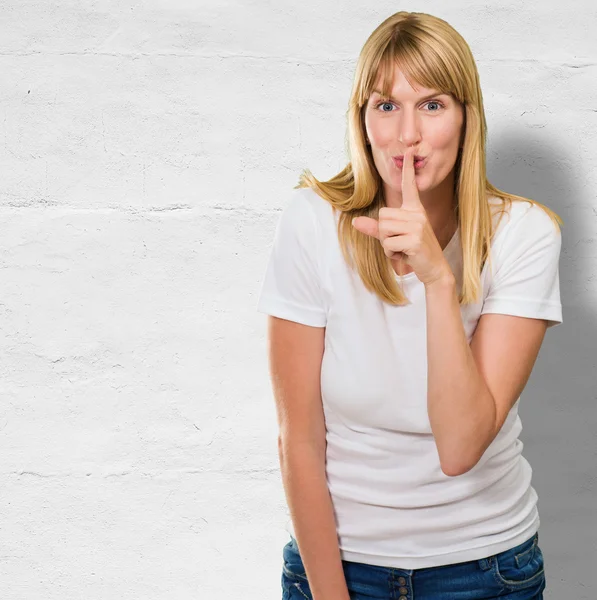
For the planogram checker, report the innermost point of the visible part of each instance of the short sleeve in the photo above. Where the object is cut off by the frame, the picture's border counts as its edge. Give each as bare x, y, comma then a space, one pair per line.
291, 286
526, 275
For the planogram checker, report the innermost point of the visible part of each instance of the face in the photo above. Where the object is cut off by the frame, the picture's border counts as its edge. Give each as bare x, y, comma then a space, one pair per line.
430, 122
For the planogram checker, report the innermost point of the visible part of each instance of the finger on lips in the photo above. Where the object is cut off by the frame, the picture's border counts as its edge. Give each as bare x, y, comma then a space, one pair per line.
409, 187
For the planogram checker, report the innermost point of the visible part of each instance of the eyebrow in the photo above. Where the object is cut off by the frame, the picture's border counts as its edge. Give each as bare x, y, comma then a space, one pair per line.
436, 93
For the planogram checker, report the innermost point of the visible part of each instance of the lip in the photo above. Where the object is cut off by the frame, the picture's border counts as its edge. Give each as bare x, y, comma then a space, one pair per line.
416, 157
419, 162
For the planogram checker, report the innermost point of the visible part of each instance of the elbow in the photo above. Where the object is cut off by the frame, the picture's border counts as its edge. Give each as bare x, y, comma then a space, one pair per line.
453, 463
456, 468
301, 447
461, 461
451, 469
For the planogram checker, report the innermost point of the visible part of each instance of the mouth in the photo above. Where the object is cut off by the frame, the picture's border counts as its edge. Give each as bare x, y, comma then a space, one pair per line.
419, 161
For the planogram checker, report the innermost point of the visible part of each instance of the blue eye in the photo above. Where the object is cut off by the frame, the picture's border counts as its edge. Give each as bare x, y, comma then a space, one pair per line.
435, 102
382, 103
392, 104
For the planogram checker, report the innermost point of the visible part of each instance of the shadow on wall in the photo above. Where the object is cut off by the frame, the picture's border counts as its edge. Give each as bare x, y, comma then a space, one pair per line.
558, 407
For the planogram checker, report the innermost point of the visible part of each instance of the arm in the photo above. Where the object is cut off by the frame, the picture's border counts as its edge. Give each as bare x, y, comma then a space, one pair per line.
296, 351
308, 498
473, 388
461, 409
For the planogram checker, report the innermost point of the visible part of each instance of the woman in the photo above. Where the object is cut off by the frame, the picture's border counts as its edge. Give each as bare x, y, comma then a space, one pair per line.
409, 299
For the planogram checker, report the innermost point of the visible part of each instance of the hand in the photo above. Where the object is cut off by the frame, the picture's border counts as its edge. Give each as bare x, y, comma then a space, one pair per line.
406, 231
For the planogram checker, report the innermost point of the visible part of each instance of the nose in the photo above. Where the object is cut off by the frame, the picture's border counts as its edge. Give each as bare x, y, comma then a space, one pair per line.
409, 132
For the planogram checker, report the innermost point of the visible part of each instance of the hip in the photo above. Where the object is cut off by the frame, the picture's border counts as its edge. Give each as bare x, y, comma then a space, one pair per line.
514, 574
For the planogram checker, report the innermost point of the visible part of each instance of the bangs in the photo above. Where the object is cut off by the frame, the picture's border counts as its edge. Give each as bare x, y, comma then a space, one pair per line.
422, 63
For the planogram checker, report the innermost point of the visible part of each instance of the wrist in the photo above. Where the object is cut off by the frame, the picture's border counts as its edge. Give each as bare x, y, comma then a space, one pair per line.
443, 281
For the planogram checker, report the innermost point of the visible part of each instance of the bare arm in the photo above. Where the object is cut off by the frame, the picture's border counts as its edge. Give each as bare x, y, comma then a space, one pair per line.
461, 410
308, 498
296, 352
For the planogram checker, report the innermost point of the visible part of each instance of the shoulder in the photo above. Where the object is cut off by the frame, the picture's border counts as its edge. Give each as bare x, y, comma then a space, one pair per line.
297, 208
522, 220
309, 200
308, 209
303, 217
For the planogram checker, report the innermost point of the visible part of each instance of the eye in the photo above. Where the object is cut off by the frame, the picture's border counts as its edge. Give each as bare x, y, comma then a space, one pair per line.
392, 104
435, 102
386, 103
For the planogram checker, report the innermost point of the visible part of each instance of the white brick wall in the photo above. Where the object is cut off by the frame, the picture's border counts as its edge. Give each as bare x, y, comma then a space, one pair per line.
145, 148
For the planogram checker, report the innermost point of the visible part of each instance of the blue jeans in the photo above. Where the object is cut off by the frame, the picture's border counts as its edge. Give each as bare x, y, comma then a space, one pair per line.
515, 574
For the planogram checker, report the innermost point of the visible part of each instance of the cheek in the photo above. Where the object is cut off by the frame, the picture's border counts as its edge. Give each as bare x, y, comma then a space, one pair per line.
446, 135
380, 136
378, 131
444, 132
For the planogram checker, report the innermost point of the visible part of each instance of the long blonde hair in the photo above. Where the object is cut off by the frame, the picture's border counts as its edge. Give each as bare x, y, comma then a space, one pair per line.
433, 54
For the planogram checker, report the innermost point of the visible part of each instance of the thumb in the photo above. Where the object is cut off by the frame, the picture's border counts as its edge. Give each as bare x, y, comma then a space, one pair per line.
367, 225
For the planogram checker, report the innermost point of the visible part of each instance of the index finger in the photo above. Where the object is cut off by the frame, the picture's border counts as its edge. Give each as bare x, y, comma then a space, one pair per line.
410, 193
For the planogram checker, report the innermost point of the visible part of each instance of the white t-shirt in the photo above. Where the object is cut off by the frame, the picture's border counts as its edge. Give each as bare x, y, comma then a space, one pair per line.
393, 505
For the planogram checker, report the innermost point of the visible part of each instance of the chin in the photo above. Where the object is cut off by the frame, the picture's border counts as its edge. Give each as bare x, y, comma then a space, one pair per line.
419, 177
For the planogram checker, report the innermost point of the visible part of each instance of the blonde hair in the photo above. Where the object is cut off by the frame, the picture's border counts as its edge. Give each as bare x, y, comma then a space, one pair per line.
433, 54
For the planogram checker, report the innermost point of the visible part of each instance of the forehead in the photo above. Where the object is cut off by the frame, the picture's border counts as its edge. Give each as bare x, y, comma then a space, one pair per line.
387, 83
408, 78
406, 93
